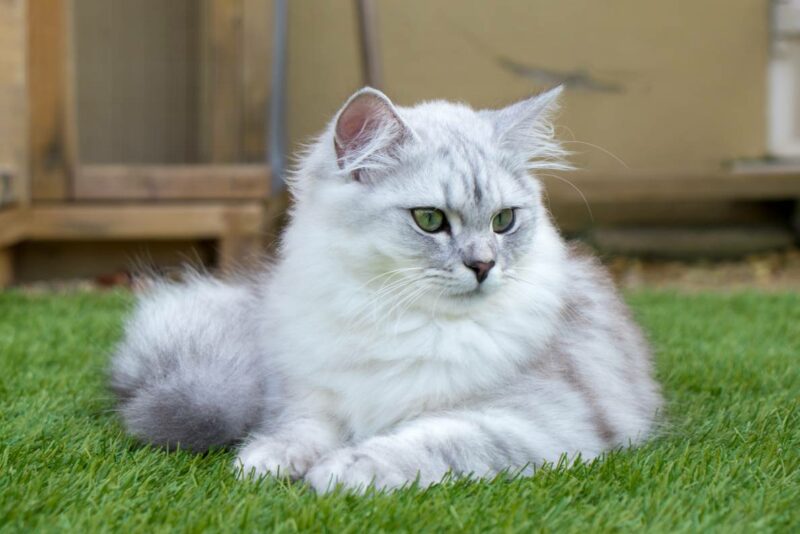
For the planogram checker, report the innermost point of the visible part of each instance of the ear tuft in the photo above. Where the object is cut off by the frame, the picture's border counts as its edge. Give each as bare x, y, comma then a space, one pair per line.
526, 128
367, 130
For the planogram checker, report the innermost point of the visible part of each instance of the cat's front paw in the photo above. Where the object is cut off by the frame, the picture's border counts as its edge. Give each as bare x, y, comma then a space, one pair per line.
264, 455
355, 470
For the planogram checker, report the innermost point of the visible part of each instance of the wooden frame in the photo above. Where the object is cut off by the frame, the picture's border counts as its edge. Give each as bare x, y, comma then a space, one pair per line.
141, 221
221, 198
172, 182
220, 201
130, 221
236, 226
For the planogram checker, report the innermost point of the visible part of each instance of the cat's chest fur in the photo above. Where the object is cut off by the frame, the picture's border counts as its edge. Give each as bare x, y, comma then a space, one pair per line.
375, 376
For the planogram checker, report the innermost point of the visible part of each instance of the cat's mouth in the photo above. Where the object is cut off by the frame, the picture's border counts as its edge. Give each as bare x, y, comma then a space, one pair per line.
478, 291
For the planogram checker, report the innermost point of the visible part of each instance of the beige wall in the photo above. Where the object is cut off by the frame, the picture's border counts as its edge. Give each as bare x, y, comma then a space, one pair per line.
676, 85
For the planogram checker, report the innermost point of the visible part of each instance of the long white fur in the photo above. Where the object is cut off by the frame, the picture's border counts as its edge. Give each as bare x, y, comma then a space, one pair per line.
379, 376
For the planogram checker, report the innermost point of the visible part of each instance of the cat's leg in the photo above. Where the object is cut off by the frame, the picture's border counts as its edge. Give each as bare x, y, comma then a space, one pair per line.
476, 443
290, 450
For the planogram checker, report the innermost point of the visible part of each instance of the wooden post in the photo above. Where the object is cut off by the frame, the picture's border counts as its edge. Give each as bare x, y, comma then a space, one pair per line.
221, 80
13, 103
52, 129
11, 230
256, 58
239, 247
234, 80
7, 189
6, 268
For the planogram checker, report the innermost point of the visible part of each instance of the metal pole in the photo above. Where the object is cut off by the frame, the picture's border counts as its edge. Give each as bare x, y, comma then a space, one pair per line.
276, 140
370, 49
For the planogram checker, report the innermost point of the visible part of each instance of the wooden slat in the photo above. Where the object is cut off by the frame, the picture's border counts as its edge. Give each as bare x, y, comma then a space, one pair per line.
221, 81
172, 182
656, 186
256, 61
50, 78
145, 221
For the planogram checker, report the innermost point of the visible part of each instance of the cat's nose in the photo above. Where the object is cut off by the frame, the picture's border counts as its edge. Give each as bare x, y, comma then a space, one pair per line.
480, 268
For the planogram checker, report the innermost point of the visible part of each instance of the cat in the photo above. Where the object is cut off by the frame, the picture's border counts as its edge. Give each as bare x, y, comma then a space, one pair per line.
424, 317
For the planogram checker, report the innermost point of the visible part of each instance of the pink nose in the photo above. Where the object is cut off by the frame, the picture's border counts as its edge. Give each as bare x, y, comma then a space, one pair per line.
480, 268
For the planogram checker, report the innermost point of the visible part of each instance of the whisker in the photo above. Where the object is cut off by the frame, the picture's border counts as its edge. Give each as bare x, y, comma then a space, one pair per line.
384, 293
408, 302
576, 188
607, 152
436, 302
387, 285
406, 292
518, 279
393, 271
403, 300
567, 128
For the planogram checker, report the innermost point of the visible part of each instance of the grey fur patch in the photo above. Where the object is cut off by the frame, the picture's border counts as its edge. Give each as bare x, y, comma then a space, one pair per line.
180, 413
573, 314
187, 373
449, 460
503, 456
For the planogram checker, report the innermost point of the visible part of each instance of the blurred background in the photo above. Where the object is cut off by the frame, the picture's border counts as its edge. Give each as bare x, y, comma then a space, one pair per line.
153, 132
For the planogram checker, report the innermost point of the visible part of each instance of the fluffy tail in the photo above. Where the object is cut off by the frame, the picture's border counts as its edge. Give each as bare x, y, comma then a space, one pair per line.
187, 372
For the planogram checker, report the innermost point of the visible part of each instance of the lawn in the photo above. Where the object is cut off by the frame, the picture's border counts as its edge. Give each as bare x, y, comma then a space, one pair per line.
728, 460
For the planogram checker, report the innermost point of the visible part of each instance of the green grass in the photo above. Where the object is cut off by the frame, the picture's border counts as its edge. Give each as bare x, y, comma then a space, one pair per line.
729, 459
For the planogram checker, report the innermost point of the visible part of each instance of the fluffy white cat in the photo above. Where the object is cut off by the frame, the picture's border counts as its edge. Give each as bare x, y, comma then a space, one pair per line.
424, 317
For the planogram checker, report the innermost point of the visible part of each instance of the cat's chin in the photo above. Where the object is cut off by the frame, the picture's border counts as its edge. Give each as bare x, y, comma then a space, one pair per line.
472, 294
467, 298
462, 304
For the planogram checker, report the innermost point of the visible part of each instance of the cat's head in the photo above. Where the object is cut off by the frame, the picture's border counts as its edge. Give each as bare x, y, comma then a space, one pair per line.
438, 198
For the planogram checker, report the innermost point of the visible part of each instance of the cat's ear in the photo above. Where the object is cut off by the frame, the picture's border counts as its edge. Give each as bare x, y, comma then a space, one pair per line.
526, 128
367, 132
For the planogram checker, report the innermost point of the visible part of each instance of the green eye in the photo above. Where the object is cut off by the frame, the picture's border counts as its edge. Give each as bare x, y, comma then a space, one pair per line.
429, 219
503, 221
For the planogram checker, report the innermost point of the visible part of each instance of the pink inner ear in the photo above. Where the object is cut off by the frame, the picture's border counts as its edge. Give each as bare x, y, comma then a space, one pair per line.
357, 121
353, 121
367, 126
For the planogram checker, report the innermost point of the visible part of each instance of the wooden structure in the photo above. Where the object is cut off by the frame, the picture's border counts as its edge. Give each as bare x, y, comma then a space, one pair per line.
145, 120
136, 166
